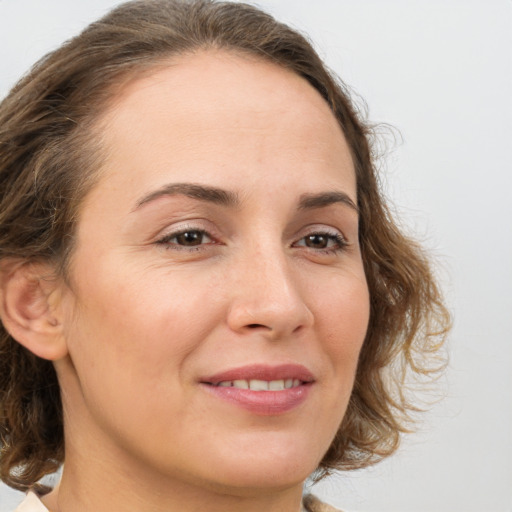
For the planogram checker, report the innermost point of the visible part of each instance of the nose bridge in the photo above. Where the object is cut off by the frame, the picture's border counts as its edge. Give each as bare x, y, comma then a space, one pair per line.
266, 292
273, 278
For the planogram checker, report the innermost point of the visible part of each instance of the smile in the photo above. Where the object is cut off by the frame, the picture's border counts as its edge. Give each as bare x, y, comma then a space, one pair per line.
266, 390
261, 385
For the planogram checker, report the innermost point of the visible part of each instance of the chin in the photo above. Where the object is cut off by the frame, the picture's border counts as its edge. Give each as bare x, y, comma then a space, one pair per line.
252, 481
272, 465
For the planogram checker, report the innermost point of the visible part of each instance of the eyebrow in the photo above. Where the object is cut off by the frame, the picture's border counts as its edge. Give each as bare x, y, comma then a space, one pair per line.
323, 199
231, 199
194, 191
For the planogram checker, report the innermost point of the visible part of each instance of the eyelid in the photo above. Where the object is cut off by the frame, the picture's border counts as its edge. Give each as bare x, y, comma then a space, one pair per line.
321, 228
332, 233
168, 234
204, 227
176, 234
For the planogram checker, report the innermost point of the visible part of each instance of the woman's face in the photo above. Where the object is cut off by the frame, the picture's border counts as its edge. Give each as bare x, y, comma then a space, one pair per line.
218, 252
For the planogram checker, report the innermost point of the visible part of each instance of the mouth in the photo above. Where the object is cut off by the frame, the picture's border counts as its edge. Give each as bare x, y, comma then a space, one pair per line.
262, 389
261, 385
262, 377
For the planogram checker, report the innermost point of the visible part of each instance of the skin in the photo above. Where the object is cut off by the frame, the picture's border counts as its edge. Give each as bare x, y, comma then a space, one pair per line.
144, 318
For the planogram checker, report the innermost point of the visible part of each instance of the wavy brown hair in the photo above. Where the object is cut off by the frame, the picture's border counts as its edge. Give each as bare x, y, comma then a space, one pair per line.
50, 157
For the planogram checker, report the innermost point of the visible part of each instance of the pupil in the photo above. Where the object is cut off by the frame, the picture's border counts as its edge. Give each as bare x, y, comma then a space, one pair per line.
190, 238
316, 241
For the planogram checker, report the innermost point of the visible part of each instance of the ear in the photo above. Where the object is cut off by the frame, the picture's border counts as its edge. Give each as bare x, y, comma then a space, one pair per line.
30, 297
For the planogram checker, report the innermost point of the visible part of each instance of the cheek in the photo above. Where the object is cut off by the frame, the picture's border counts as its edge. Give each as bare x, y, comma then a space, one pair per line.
342, 316
132, 328
344, 320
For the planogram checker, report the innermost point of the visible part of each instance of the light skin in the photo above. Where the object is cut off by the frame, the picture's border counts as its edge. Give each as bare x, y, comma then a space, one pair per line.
223, 233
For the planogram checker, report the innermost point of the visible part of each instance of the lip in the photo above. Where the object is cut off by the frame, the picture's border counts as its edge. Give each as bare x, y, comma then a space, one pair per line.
262, 372
265, 403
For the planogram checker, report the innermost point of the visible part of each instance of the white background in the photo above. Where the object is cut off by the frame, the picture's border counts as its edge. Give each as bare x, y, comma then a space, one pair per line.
440, 71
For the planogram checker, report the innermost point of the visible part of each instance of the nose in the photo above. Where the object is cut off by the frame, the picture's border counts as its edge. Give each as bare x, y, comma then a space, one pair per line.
267, 299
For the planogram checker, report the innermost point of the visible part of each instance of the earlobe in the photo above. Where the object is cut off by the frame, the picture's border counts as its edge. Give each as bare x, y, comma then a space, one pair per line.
29, 308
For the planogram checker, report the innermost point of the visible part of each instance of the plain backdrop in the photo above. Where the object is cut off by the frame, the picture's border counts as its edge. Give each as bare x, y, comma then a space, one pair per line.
440, 72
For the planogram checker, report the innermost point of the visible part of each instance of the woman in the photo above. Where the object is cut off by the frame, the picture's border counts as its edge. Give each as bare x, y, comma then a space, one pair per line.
204, 299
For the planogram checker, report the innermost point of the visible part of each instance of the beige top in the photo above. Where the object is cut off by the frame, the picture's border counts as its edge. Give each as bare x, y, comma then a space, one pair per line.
31, 504
310, 504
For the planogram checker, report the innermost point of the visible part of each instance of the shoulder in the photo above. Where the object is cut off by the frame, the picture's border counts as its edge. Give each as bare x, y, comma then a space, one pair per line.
31, 504
313, 504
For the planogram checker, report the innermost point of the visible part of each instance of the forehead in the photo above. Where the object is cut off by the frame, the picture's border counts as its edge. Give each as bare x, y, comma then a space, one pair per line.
220, 80
223, 110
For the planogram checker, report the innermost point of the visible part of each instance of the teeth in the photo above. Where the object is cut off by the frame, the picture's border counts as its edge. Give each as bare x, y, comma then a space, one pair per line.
276, 385
258, 385
261, 385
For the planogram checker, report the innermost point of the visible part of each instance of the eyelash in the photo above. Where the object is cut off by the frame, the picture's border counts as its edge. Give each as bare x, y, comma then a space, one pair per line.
340, 243
166, 240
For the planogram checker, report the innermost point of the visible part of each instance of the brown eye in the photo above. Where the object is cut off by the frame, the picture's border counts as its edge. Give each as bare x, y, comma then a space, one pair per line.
190, 238
323, 242
187, 238
317, 241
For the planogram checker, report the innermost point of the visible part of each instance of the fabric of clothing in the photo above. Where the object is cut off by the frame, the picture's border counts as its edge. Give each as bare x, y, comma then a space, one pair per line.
310, 504
31, 504
313, 504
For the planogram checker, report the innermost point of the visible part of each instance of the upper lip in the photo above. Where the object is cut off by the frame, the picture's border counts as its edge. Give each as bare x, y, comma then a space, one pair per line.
262, 372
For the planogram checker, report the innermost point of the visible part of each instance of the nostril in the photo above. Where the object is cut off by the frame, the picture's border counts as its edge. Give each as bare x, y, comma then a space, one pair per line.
255, 326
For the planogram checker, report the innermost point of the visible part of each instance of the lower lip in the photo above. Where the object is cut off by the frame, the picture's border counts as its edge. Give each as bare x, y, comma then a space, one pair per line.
265, 403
